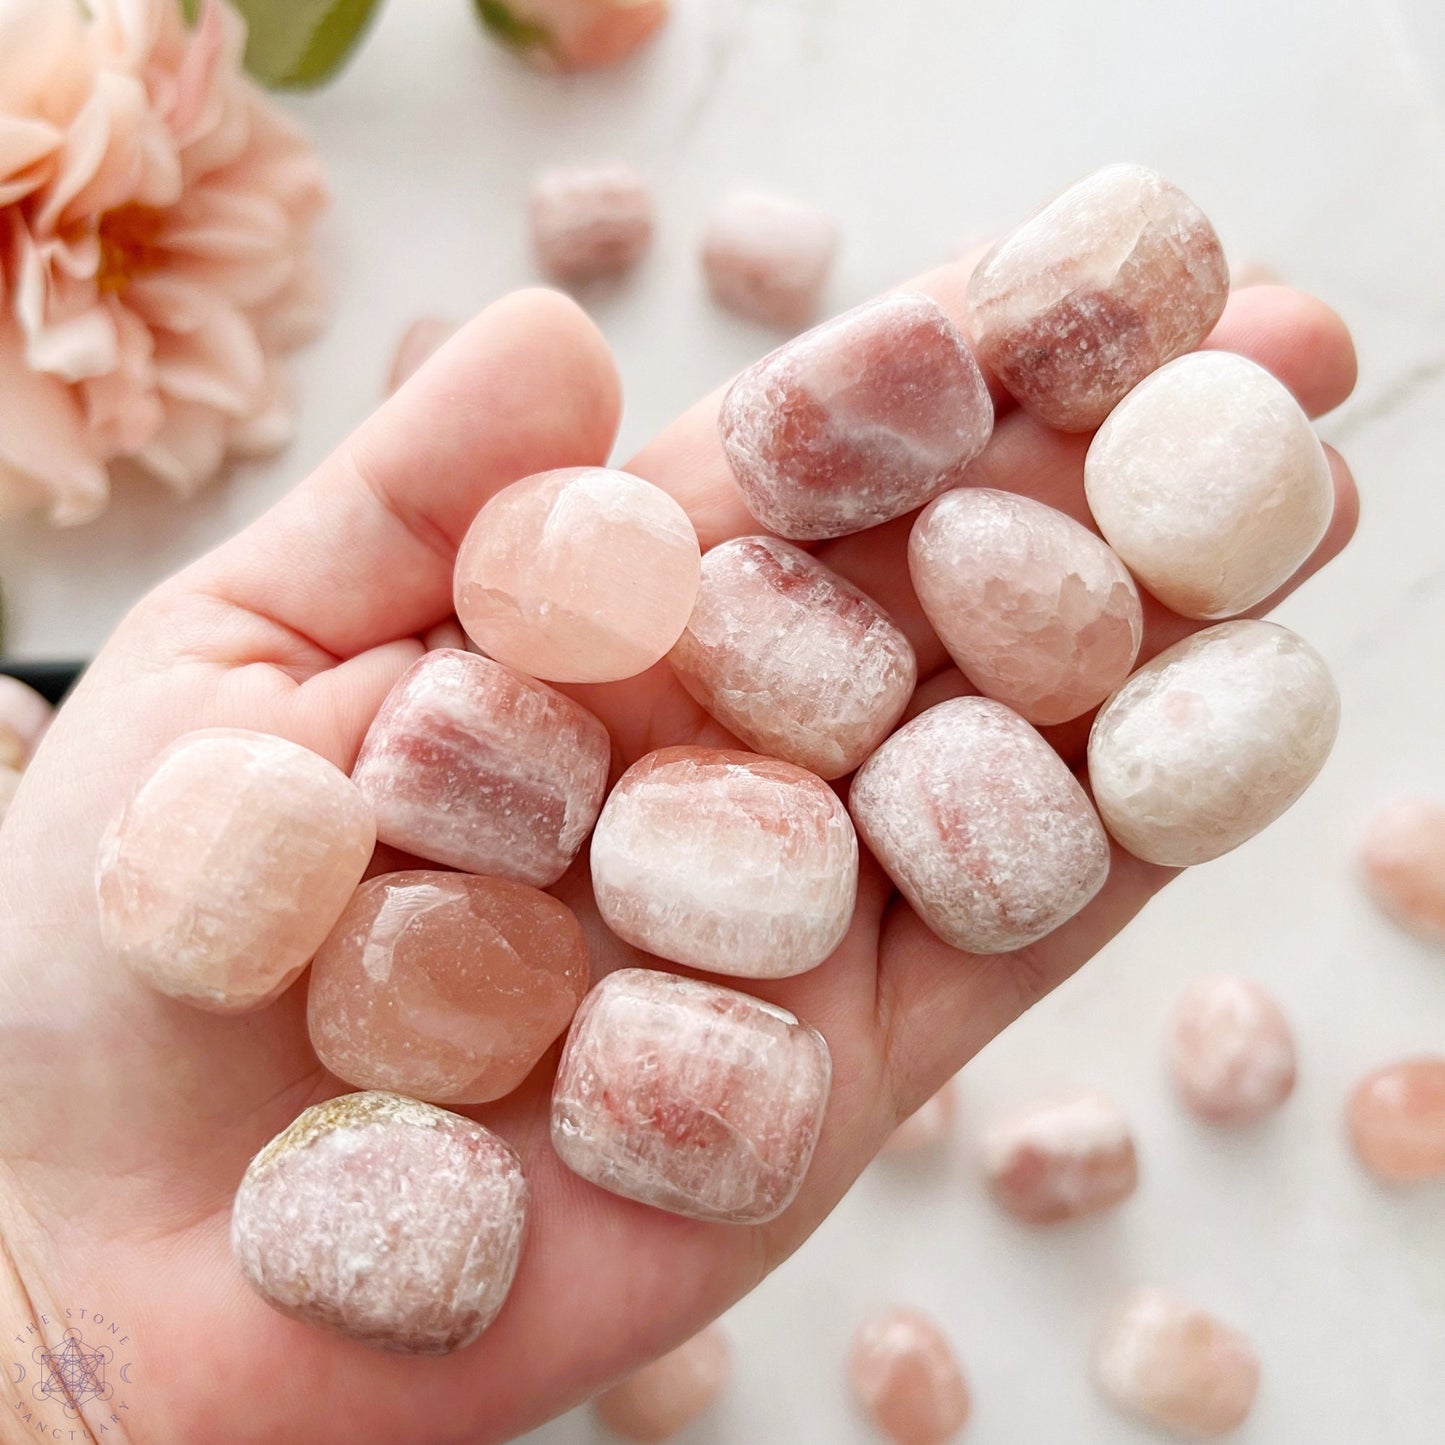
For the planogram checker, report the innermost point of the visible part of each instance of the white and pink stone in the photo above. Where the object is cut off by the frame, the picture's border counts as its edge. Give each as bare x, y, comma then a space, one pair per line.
796, 661
425, 336
1403, 859
443, 986
907, 1379
1230, 1050
1103, 285
580, 575
726, 861
665, 1397
1166, 1362
395, 1223
1397, 1121
768, 258
24, 717
981, 825
858, 421
690, 1097
1209, 481
1061, 1159
1037, 612
471, 764
590, 222
227, 868
1212, 741
927, 1127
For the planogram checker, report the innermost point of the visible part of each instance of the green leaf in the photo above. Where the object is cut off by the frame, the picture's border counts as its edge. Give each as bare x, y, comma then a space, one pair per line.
297, 44
520, 34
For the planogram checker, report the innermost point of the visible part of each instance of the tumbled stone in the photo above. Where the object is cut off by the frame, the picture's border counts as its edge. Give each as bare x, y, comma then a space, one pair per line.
228, 866
1230, 1050
1103, 285
1209, 481
471, 764
425, 336
768, 258
690, 1097
1397, 1121
1036, 611
1061, 1159
1212, 741
726, 861
927, 1127
666, 1396
981, 825
1403, 856
24, 717
860, 420
907, 1379
1173, 1365
590, 221
443, 986
795, 660
580, 575
390, 1221
9, 786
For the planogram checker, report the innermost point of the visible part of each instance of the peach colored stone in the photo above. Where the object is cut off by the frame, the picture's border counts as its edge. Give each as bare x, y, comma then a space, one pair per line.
768, 258
1212, 741
443, 986
426, 335
1403, 857
579, 575
860, 420
471, 764
726, 861
1246, 271
690, 1097
228, 866
24, 717
1061, 1158
927, 1127
1171, 1364
981, 825
390, 1221
906, 1377
795, 660
571, 35
1230, 1050
1209, 481
1036, 611
1397, 1120
665, 1397
590, 221
9, 786
1103, 285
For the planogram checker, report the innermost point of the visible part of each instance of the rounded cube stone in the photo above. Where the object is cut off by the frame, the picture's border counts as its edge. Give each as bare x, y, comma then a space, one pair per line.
768, 258
590, 222
663, 1398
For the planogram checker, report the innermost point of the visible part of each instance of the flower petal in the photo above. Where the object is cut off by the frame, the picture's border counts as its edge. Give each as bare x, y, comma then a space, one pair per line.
188, 449
220, 364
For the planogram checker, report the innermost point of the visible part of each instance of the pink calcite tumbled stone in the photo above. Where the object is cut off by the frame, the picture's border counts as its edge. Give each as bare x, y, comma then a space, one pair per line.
981, 825
1061, 1159
1173, 1365
578, 575
792, 658
390, 1221
1397, 1121
1403, 857
666, 1396
1036, 611
24, 717
228, 866
907, 1379
419, 341
690, 1097
1118, 275
927, 1127
1230, 1050
589, 222
726, 861
860, 420
471, 764
444, 986
768, 258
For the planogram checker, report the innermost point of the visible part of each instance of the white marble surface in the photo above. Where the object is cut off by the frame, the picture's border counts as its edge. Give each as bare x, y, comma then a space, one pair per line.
1315, 135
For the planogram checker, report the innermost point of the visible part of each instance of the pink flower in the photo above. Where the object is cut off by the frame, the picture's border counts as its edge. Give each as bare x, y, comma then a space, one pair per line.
155, 219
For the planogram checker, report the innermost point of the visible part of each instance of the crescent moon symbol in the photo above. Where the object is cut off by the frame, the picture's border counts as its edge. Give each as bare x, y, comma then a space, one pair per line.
123, 1374
19, 1372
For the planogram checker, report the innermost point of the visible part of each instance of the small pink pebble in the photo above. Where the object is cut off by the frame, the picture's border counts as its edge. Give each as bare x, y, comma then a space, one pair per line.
423, 337
927, 1126
858, 421
666, 1396
1230, 1051
590, 222
768, 258
1403, 856
690, 1097
9, 786
906, 1377
1397, 1121
390, 1221
476, 766
570, 35
1061, 1159
578, 575
24, 716
1175, 1366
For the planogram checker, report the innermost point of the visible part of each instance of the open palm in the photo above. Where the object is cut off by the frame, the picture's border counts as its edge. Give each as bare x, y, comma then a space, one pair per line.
127, 1119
